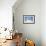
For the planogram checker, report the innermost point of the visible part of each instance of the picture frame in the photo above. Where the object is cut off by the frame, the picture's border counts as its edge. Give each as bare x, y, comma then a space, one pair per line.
28, 19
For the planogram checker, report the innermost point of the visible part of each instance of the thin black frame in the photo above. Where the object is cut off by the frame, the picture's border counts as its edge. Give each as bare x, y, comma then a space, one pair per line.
29, 23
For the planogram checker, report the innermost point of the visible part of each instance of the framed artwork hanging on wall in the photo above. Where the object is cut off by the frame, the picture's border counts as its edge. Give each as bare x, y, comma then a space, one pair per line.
28, 19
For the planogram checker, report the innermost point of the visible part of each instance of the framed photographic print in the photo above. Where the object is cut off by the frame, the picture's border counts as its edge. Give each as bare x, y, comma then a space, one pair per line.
28, 19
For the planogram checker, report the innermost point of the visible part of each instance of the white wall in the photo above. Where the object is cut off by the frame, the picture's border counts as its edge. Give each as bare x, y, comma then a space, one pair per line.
31, 31
6, 13
43, 22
